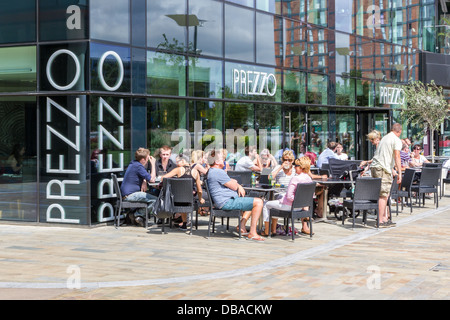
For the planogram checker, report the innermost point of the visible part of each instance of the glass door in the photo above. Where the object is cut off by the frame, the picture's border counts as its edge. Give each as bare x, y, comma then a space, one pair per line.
368, 121
295, 130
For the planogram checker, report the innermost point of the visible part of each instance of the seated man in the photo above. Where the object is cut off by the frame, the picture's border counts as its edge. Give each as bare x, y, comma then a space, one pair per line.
227, 194
327, 154
135, 180
251, 161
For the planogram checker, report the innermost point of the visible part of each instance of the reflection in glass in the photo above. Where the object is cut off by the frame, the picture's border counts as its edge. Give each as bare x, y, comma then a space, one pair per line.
268, 38
239, 129
17, 21
364, 93
267, 5
239, 33
317, 53
166, 74
205, 78
345, 91
164, 117
345, 131
295, 9
317, 11
18, 69
206, 36
248, 3
268, 124
318, 131
138, 81
114, 76
138, 22
110, 20
294, 89
317, 89
205, 115
167, 23
18, 162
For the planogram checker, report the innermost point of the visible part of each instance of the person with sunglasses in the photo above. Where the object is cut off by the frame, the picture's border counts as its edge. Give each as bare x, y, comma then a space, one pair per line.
417, 159
284, 173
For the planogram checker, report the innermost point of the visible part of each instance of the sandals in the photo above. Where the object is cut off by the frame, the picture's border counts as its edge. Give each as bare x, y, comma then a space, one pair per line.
256, 238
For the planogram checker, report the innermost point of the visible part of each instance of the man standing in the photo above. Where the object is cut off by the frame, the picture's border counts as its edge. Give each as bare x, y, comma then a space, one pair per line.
386, 157
135, 180
327, 154
227, 194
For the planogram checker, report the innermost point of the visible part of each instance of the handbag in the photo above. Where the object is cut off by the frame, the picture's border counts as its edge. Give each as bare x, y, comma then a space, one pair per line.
164, 204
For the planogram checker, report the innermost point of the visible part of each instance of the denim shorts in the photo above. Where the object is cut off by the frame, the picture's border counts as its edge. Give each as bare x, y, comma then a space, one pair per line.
241, 203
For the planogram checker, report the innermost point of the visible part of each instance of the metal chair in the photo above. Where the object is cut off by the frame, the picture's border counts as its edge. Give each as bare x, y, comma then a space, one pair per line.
441, 177
303, 198
367, 193
429, 182
405, 187
183, 196
214, 212
393, 195
122, 204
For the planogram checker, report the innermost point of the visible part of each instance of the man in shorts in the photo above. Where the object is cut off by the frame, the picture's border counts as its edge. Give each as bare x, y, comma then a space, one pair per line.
227, 194
386, 157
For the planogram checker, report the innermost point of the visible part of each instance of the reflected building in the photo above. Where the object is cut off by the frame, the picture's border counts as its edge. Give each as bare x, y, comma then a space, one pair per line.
78, 76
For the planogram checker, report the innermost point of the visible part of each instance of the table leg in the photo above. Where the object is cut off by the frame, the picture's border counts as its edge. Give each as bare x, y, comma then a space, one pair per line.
325, 208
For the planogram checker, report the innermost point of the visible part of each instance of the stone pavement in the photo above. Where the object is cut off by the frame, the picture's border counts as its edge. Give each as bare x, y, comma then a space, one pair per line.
409, 261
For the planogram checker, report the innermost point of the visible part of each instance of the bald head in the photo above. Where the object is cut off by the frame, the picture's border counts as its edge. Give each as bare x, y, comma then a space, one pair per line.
397, 129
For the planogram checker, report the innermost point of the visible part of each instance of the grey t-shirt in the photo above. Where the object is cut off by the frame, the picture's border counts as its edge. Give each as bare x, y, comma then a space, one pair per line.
219, 193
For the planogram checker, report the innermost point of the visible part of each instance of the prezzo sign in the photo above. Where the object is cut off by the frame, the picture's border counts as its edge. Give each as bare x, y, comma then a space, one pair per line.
70, 181
389, 95
254, 83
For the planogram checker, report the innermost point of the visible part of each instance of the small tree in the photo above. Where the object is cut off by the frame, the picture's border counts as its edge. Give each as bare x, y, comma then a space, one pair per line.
425, 106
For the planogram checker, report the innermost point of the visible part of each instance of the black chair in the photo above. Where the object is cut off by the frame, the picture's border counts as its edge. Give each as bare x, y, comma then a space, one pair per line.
429, 182
303, 198
122, 204
242, 177
405, 187
367, 193
214, 212
436, 165
183, 196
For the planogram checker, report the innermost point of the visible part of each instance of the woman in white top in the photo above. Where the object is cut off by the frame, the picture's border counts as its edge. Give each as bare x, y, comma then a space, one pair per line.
284, 173
416, 158
340, 154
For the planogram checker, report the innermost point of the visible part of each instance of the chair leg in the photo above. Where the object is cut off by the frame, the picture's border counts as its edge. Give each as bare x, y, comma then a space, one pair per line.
293, 228
353, 216
270, 226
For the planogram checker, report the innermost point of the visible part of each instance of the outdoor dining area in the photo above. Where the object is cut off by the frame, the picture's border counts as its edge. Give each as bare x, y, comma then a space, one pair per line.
339, 192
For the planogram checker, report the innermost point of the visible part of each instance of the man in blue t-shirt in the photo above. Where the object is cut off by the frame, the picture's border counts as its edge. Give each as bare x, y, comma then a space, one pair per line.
327, 154
134, 182
227, 194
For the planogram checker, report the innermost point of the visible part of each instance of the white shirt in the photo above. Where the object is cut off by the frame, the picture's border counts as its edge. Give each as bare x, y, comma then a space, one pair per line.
244, 164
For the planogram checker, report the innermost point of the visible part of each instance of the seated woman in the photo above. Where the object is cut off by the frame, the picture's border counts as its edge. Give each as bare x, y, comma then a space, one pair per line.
417, 159
302, 167
183, 170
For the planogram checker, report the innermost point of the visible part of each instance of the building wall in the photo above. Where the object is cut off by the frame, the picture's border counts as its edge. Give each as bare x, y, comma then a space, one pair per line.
85, 83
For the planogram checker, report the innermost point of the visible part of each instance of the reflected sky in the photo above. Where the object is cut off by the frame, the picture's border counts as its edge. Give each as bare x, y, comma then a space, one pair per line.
110, 20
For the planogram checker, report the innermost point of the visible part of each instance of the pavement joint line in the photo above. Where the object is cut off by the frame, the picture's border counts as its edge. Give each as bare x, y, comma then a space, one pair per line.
281, 262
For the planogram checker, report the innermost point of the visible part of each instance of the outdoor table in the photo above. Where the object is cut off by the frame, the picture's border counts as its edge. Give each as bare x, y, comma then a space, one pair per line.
326, 183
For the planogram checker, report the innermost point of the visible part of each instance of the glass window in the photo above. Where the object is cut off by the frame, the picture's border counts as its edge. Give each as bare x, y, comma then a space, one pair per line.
239, 33
252, 82
206, 35
166, 74
345, 54
268, 5
63, 67
63, 20
317, 54
110, 68
165, 117
295, 44
317, 89
203, 116
345, 91
248, 3
18, 162
345, 131
295, 9
365, 93
317, 12
110, 20
318, 130
18, 69
205, 78
268, 39
343, 15
268, 125
167, 23
365, 58
294, 89
17, 21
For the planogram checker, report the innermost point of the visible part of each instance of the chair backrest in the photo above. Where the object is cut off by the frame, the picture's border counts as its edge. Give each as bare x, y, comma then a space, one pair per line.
116, 187
338, 167
264, 179
182, 189
266, 171
367, 188
242, 177
210, 200
394, 187
407, 179
432, 165
430, 176
304, 195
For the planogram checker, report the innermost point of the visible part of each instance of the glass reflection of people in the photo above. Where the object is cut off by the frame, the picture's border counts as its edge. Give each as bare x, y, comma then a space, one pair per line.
295, 143
14, 163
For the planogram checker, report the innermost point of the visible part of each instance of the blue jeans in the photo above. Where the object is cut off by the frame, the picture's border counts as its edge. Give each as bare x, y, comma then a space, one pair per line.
142, 197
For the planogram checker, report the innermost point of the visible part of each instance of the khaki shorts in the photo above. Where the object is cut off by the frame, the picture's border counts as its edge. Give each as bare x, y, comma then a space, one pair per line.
386, 181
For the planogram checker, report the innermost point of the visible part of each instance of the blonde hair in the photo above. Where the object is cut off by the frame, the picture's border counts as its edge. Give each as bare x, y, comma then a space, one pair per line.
288, 154
374, 134
304, 163
196, 156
